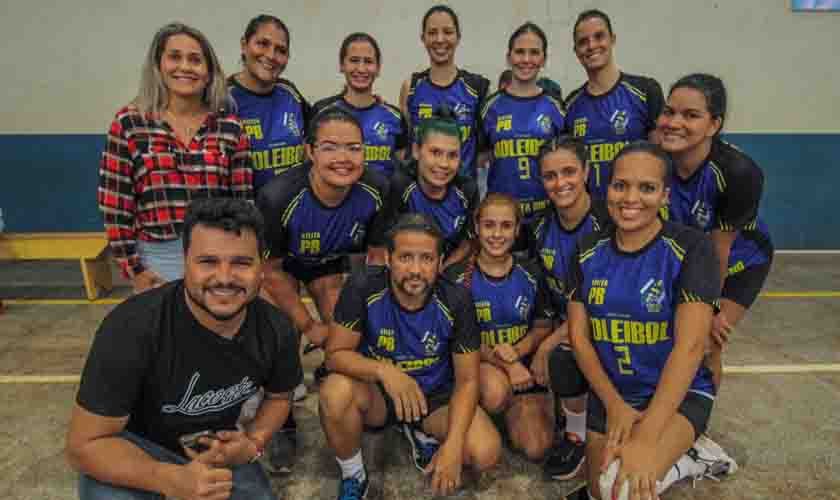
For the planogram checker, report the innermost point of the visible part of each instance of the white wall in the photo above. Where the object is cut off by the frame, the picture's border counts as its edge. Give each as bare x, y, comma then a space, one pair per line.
68, 66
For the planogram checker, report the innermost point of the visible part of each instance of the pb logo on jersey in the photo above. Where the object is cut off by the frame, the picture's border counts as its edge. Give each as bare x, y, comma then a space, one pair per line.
310, 243
381, 130
290, 123
702, 214
544, 123
386, 339
619, 121
523, 307
425, 111
653, 295
430, 343
357, 233
504, 122
253, 128
597, 292
579, 127
548, 258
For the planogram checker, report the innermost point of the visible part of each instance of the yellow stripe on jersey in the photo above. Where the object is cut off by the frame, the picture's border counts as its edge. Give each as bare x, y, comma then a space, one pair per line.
287, 214
641, 95
721, 180
589, 253
573, 98
410, 189
460, 194
530, 277
690, 298
375, 297
444, 309
377, 198
394, 112
473, 92
350, 325
486, 108
291, 90
558, 105
675, 247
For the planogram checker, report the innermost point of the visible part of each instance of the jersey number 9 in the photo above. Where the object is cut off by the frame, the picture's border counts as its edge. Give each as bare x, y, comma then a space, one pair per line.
524, 168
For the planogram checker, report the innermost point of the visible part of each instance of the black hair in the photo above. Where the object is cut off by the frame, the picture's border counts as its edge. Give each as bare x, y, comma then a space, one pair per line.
712, 89
528, 27
415, 222
651, 149
228, 214
447, 10
359, 37
589, 14
565, 143
442, 122
255, 23
331, 114
505, 77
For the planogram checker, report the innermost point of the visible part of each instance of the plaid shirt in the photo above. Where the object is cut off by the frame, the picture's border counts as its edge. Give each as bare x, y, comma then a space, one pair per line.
147, 178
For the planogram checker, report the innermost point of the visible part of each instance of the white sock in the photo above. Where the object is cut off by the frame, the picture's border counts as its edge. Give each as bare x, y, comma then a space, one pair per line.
576, 423
685, 467
353, 467
425, 438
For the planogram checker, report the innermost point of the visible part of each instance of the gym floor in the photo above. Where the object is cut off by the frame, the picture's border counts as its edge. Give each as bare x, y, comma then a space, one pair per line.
777, 413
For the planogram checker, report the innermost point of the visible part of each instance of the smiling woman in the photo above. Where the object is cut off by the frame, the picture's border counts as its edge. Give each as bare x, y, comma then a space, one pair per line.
174, 143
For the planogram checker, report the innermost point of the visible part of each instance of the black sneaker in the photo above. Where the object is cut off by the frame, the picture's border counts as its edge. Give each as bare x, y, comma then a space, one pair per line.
282, 448
421, 452
566, 458
352, 489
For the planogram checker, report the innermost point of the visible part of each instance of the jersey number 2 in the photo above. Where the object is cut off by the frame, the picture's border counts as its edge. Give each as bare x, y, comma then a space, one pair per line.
624, 362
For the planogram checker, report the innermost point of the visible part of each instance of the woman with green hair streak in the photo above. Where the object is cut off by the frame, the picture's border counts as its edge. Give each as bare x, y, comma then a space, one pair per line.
429, 184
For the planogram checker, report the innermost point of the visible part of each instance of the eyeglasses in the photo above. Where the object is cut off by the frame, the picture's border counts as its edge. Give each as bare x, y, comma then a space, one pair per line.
332, 148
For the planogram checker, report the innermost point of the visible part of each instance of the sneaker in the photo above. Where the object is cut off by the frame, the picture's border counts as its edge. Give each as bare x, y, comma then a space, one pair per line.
606, 480
710, 454
300, 392
566, 458
352, 489
422, 451
282, 450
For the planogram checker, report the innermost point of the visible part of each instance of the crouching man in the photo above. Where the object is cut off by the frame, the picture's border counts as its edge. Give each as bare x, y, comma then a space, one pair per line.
404, 349
182, 359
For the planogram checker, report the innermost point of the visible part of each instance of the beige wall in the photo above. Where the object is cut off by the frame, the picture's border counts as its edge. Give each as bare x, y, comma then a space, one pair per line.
67, 68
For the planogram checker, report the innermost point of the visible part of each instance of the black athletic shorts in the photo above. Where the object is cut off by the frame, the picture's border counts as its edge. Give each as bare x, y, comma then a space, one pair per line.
697, 408
434, 402
744, 286
307, 273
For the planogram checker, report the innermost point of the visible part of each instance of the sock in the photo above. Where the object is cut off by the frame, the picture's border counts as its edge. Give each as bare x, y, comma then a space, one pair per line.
424, 438
576, 423
685, 467
353, 467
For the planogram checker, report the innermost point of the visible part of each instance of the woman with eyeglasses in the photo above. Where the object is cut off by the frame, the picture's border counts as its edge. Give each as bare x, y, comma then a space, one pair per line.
272, 109
385, 131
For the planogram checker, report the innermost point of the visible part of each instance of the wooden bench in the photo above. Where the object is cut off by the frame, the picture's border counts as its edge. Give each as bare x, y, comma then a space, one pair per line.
90, 248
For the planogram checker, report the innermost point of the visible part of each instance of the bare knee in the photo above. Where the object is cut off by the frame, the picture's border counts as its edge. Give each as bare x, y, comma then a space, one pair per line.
484, 449
335, 396
496, 392
534, 442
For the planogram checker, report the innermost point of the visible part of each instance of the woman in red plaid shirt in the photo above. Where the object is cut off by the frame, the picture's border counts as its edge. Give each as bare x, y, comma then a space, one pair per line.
176, 142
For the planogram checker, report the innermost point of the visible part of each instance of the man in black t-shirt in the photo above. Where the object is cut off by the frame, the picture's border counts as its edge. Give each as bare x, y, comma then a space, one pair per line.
184, 358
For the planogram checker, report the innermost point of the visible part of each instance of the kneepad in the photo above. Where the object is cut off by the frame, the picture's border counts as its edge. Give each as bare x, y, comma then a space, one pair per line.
607, 479
567, 381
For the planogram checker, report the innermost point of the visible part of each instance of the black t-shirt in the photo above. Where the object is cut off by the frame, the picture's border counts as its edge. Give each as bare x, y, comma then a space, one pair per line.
420, 343
153, 361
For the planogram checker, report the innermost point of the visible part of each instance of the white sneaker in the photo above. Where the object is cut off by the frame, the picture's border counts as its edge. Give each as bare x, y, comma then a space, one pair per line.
607, 479
300, 392
710, 454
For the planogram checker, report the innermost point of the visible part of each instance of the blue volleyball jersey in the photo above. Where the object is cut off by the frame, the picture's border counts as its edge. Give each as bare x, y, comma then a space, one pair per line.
420, 343
724, 194
608, 122
276, 126
505, 308
383, 128
463, 97
453, 214
302, 229
632, 299
554, 246
515, 128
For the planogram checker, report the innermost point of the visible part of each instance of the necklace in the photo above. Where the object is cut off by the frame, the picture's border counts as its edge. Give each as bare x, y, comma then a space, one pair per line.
185, 130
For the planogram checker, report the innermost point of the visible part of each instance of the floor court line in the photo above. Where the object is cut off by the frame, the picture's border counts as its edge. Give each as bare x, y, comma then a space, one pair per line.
818, 294
791, 369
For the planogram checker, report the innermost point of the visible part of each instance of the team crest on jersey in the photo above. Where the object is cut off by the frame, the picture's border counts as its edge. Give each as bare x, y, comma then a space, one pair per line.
430, 343
544, 122
579, 127
461, 111
523, 307
381, 130
290, 123
357, 233
619, 121
702, 214
653, 295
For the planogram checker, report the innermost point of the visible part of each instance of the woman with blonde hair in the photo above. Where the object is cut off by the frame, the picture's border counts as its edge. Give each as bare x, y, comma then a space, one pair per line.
174, 143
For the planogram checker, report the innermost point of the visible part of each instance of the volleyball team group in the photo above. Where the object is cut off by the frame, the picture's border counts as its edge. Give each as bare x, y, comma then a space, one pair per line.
489, 268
